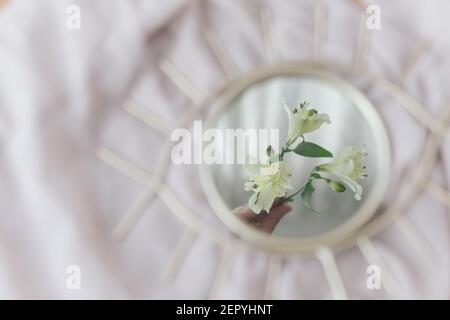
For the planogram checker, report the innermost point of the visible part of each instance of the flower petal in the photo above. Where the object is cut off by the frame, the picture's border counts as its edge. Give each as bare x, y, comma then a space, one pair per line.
267, 197
254, 203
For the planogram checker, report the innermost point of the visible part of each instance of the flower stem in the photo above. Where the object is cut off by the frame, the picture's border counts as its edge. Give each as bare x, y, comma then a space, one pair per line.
286, 149
313, 175
289, 198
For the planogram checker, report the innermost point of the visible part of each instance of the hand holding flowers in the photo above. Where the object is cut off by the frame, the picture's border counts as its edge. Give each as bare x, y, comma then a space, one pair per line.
270, 182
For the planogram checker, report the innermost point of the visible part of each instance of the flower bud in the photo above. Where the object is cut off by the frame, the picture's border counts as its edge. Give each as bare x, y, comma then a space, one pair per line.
336, 186
269, 151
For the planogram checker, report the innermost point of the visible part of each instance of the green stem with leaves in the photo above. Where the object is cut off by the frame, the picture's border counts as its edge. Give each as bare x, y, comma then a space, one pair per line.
305, 149
313, 175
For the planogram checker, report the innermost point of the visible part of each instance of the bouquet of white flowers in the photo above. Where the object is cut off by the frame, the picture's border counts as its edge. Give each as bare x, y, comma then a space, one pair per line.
271, 181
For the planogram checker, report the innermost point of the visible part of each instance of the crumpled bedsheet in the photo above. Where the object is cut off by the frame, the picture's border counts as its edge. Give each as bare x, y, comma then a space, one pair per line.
61, 97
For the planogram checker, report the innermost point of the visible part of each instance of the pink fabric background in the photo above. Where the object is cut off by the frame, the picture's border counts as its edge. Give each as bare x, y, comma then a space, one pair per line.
61, 94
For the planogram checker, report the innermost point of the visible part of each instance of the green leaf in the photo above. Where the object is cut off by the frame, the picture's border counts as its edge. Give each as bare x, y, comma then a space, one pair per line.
316, 175
312, 150
307, 194
288, 200
336, 186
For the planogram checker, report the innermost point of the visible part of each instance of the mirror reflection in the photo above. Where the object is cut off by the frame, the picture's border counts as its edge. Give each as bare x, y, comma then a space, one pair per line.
260, 106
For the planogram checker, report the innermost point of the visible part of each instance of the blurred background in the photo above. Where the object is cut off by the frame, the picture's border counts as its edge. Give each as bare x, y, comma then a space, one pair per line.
64, 83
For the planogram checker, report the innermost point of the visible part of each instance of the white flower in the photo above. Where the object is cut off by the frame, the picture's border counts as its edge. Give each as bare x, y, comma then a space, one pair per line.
268, 182
302, 120
348, 168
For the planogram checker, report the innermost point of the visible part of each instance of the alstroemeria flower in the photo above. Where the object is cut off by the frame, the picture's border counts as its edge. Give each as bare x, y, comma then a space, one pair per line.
303, 120
268, 182
347, 167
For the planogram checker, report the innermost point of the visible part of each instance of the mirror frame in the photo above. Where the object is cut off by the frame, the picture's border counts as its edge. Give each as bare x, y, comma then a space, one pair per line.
349, 226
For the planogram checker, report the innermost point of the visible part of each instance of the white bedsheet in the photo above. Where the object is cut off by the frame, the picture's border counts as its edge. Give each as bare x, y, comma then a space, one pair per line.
61, 94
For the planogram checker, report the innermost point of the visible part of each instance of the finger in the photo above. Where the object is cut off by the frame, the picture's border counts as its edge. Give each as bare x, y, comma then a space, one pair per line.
277, 209
245, 213
272, 219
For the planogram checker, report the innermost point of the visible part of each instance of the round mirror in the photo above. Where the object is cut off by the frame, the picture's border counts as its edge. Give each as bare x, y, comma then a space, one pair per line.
256, 102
